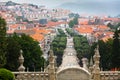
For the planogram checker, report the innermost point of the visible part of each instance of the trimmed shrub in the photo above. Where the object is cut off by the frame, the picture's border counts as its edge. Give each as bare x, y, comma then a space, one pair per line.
6, 74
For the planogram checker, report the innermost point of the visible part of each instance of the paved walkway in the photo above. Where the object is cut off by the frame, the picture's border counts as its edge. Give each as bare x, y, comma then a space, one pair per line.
69, 57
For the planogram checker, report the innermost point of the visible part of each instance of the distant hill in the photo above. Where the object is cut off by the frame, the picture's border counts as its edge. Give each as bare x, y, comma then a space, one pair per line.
33, 5
10, 3
111, 8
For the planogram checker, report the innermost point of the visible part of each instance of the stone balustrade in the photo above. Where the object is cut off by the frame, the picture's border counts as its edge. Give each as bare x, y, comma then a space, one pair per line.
110, 75
50, 72
31, 75
43, 75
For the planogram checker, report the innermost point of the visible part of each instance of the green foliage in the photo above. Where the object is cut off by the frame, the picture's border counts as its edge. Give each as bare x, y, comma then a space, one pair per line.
115, 26
92, 52
58, 46
13, 49
3, 43
105, 49
81, 46
108, 59
6, 74
110, 25
61, 33
73, 15
73, 22
116, 51
31, 52
70, 31
54, 20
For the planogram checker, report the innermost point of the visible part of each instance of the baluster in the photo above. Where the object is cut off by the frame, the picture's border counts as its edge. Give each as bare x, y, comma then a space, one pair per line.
40, 76
44, 77
29, 76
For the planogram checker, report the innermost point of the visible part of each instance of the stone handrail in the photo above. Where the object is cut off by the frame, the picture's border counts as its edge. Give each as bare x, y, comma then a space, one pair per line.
110, 75
31, 75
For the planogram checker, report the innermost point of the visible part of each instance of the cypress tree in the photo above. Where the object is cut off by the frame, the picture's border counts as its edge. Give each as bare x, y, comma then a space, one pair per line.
116, 51
3, 43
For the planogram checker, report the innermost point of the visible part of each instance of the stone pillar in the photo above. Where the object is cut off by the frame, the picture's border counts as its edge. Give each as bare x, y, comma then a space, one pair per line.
51, 69
21, 60
85, 63
96, 69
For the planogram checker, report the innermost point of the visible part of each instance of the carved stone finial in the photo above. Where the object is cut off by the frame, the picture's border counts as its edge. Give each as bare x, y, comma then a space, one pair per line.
51, 66
96, 71
91, 62
91, 65
21, 60
85, 63
51, 53
96, 55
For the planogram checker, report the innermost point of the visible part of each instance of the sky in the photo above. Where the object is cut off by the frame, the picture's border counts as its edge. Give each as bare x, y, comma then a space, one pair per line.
48, 3
53, 3
100, 6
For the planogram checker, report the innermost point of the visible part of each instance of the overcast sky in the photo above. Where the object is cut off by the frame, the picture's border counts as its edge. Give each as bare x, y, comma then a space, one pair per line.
109, 7
53, 3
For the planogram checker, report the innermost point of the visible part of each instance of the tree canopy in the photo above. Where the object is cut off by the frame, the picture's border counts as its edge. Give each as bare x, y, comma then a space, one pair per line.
116, 51
73, 22
58, 45
82, 47
113, 26
3, 43
31, 51
109, 52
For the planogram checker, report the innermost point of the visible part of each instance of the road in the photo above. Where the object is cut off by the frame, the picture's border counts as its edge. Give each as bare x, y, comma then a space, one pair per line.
69, 57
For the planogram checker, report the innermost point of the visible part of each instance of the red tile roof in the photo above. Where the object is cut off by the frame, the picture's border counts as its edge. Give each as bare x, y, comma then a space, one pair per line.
103, 27
105, 38
38, 37
84, 30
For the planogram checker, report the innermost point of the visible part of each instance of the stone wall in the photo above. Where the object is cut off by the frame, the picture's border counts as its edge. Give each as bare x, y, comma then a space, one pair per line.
73, 74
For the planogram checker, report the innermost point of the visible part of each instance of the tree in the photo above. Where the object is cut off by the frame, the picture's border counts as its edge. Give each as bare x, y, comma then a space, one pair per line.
116, 51
32, 53
6, 74
105, 49
75, 20
71, 23
70, 31
12, 55
61, 32
58, 46
82, 47
3, 43
115, 26
71, 15
110, 25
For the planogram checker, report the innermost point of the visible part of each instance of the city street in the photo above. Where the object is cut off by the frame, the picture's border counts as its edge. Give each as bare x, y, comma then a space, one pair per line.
69, 57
